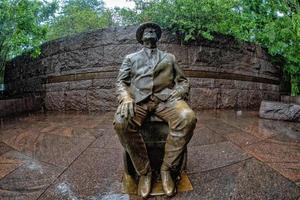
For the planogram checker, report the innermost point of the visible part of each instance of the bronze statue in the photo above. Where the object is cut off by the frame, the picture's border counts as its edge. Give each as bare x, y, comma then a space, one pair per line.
151, 82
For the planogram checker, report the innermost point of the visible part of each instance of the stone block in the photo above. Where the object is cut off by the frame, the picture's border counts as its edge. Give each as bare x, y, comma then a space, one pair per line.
268, 69
55, 87
199, 55
51, 48
101, 100
169, 37
223, 83
90, 39
84, 84
50, 63
260, 52
179, 51
201, 66
106, 83
115, 54
109, 36
80, 59
84, 40
203, 98
270, 96
279, 111
246, 85
126, 34
74, 42
242, 99
75, 100
33, 85
254, 98
55, 101
238, 64
227, 98
201, 82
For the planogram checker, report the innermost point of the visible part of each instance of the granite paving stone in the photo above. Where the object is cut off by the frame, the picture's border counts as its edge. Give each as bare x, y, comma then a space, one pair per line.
205, 136
8, 165
4, 148
29, 179
208, 157
78, 156
247, 180
108, 140
241, 138
96, 173
60, 151
247, 122
220, 127
282, 156
72, 132
282, 131
23, 141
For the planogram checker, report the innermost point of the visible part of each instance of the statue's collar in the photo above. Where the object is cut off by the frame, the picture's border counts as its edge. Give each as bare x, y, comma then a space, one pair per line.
157, 54
150, 52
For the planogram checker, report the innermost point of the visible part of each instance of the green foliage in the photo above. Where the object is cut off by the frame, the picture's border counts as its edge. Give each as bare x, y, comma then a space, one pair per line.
22, 27
274, 24
78, 16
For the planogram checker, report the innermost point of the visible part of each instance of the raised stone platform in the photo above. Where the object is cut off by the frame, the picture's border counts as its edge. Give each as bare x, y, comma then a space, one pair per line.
290, 99
19, 105
78, 156
280, 111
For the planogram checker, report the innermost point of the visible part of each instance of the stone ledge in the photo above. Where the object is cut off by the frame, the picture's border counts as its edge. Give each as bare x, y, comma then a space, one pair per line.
188, 73
19, 105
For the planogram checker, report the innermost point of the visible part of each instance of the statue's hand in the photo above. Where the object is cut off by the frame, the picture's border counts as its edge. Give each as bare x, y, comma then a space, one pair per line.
175, 95
126, 108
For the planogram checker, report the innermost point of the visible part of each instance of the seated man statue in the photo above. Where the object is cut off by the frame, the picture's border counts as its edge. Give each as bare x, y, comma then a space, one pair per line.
151, 82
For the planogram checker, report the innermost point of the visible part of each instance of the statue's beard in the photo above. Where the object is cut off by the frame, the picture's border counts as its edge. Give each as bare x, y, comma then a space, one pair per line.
150, 42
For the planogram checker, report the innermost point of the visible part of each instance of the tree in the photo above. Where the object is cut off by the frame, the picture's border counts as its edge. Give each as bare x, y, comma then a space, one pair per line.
78, 16
273, 24
22, 27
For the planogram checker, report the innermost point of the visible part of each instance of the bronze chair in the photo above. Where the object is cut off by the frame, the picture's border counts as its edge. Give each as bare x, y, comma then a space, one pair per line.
154, 131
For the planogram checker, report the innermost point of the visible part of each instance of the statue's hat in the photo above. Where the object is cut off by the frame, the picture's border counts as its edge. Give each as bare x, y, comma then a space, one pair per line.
143, 26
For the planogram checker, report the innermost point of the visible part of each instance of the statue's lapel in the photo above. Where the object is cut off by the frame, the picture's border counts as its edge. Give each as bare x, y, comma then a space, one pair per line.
161, 56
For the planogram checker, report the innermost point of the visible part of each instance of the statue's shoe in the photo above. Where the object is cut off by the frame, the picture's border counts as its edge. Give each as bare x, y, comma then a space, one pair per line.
167, 183
144, 187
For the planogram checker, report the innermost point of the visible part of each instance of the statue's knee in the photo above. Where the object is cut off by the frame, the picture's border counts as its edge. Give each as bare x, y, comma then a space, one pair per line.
189, 117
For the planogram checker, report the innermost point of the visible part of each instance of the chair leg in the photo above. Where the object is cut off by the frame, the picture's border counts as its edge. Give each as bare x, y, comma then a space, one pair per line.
184, 160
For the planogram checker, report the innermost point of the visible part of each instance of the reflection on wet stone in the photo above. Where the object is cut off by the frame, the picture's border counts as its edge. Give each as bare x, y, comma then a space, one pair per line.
286, 131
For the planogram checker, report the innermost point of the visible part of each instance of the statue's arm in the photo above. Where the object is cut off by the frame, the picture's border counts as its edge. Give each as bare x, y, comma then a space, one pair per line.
182, 85
123, 81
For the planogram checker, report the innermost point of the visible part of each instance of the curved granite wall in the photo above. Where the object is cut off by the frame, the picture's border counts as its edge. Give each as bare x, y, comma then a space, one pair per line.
79, 72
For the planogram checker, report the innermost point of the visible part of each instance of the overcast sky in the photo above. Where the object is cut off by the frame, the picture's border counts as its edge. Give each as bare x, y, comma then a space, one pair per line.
118, 3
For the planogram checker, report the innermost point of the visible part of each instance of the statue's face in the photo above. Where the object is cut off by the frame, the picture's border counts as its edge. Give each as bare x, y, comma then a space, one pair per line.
149, 35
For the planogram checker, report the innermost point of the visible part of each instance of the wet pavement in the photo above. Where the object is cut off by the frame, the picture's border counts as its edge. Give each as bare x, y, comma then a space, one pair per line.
232, 155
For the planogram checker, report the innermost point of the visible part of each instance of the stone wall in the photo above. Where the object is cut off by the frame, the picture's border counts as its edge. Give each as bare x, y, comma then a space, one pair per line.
79, 72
